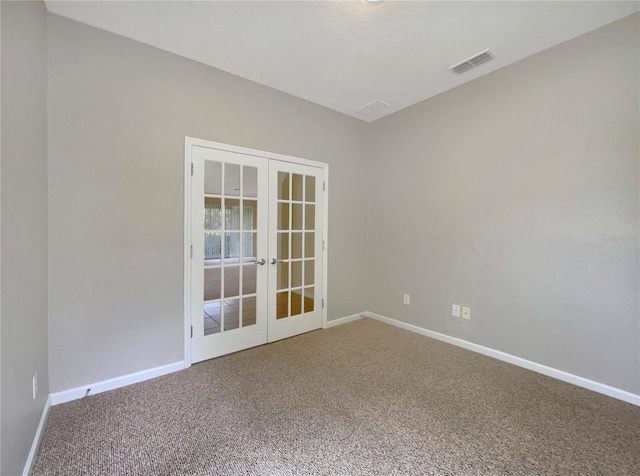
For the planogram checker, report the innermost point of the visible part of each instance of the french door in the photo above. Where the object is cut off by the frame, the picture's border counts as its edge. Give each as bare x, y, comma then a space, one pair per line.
295, 239
256, 250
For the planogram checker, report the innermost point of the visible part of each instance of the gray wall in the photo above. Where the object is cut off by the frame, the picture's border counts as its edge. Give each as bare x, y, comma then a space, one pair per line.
24, 228
118, 114
517, 195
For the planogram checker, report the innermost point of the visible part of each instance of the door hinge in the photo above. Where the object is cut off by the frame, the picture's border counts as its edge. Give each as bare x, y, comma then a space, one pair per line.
192, 332
323, 304
191, 251
192, 169
322, 245
324, 185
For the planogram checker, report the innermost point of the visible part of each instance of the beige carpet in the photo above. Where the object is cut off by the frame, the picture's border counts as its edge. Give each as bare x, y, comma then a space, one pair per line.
363, 398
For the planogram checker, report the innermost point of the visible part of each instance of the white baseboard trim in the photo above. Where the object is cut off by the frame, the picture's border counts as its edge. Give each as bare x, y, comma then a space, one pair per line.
36, 439
344, 320
518, 361
113, 383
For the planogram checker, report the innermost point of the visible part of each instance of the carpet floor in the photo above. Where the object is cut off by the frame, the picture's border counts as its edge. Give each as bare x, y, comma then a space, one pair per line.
359, 399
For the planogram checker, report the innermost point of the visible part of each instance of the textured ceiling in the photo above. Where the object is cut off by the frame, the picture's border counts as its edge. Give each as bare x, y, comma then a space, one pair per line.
347, 54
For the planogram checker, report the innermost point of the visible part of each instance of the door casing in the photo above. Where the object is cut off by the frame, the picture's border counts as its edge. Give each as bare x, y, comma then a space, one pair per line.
191, 142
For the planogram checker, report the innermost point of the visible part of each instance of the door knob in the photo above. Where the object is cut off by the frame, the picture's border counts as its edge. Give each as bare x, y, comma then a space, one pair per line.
274, 261
261, 262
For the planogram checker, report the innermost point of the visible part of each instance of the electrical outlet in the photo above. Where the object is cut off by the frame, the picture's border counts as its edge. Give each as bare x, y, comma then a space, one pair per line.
455, 310
35, 385
466, 313
407, 299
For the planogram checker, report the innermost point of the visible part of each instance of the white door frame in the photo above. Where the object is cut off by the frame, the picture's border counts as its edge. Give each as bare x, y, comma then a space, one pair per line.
189, 143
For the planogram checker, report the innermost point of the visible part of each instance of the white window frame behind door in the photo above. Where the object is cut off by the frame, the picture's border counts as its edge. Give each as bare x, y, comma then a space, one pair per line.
189, 143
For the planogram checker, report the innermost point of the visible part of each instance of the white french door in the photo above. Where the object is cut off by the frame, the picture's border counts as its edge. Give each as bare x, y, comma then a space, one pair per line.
255, 262
295, 248
229, 215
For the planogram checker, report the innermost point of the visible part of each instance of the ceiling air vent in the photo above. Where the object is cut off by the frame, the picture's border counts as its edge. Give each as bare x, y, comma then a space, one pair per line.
472, 62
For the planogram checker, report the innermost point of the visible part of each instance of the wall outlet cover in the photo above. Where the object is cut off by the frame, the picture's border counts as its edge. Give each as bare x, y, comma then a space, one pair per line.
455, 310
466, 313
407, 299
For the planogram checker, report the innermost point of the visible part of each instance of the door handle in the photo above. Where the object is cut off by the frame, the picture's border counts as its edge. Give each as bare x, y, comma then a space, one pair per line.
274, 261
261, 262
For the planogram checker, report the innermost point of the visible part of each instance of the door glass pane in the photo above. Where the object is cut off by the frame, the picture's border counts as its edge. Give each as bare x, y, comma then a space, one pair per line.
282, 305
231, 179
231, 314
310, 189
212, 284
296, 216
211, 318
283, 275
296, 302
309, 268
296, 245
212, 177
248, 311
283, 216
310, 217
212, 214
231, 281
296, 274
231, 247
250, 215
283, 186
283, 246
296, 187
249, 279
308, 300
250, 181
232, 214
309, 245
249, 244
212, 247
